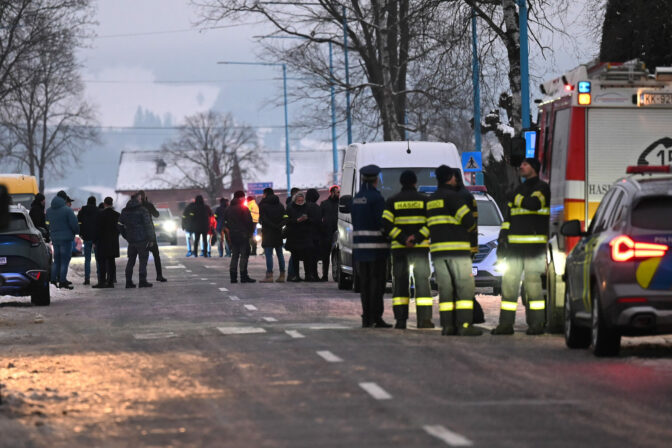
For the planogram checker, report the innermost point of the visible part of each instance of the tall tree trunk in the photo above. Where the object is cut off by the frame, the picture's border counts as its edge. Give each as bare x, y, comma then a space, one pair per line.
512, 43
388, 113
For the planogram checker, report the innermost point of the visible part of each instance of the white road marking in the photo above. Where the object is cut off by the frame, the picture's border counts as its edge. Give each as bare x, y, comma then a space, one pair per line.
176, 266
241, 330
212, 267
270, 319
328, 356
158, 335
188, 270
328, 327
250, 307
223, 289
295, 334
213, 283
446, 435
375, 391
204, 279
234, 298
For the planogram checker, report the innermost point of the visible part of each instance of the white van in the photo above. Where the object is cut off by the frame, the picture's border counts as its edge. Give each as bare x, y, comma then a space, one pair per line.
393, 158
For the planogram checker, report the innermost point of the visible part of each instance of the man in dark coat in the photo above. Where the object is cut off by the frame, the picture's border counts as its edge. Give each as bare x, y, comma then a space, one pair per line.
272, 219
63, 227
239, 228
88, 226
329, 208
223, 245
136, 227
201, 223
107, 244
316, 232
188, 226
37, 211
154, 248
299, 236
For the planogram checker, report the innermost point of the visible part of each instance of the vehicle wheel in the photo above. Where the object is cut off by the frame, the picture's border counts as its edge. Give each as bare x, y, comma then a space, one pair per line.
40, 295
604, 341
355, 283
344, 280
554, 314
335, 266
575, 336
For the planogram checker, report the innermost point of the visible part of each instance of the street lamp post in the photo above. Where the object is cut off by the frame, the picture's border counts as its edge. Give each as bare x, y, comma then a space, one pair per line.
347, 77
524, 65
284, 85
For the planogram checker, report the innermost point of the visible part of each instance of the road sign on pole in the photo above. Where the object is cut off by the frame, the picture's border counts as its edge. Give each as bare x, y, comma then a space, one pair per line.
472, 162
256, 188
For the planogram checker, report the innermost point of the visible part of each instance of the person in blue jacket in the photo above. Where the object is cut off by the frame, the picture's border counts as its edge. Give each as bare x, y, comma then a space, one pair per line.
63, 227
370, 247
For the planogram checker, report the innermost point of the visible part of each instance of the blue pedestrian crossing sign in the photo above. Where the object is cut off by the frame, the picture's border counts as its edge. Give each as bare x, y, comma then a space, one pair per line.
472, 162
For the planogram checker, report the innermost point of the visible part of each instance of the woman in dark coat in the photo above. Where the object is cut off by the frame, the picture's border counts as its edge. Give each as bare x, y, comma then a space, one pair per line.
201, 225
299, 235
271, 218
37, 211
315, 218
107, 244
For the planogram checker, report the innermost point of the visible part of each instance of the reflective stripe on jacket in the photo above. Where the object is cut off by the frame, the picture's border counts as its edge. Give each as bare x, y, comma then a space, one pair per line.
450, 222
527, 216
404, 216
369, 243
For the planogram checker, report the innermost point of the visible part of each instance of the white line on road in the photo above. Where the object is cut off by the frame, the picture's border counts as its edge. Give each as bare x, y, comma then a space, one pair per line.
213, 283
176, 266
240, 330
234, 298
295, 334
204, 279
328, 327
270, 319
375, 391
250, 307
159, 335
223, 289
446, 435
328, 356
188, 270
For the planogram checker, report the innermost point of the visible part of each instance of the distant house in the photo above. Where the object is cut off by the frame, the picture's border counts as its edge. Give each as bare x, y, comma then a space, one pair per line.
166, 186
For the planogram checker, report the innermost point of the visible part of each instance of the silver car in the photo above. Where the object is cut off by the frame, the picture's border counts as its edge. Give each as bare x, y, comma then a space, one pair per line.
485, 269
25, 259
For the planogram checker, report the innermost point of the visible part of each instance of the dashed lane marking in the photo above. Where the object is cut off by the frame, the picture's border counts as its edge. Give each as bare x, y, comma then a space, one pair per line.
188, 270
295, 334
213, 283
328, 356
250, 307
157, 335
375, 391
223, 289
270, 319
240, 330
234, 298
446, 435
204, 279
328, 327
175, 266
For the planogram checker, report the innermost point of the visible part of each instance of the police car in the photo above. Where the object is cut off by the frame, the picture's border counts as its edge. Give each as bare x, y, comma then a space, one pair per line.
486, 271
619, 275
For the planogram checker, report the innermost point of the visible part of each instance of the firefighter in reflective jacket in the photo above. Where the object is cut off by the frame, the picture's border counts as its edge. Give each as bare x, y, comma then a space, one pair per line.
522, 249
370, 247
404, 222
450, 222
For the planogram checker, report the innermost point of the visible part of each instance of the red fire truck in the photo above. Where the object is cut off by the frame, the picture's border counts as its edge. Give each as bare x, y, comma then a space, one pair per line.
594, 121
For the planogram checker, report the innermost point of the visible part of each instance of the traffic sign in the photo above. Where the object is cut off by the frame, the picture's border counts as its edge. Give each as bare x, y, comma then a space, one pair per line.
530, 144
256, 188
472, 162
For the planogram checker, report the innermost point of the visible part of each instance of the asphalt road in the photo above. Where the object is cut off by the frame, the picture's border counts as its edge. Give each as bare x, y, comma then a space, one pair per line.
200, 362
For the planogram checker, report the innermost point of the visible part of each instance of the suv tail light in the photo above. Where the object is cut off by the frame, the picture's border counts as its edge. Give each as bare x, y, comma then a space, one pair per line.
623, 248
34, 240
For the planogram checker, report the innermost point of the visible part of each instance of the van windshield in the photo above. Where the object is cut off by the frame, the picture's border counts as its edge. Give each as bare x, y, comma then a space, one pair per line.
389, 185
24, 199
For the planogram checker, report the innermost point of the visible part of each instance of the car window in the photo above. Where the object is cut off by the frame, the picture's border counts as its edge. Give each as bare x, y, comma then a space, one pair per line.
163, 213
17, 221
487, 214
653, 212
615, 209
597, 224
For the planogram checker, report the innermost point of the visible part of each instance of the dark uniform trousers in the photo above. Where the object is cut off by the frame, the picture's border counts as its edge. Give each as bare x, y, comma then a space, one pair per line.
415, 265
372, 280
141, 251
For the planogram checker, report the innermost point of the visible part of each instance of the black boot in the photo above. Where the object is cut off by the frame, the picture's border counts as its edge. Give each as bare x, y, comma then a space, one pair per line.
400, 325
244, 278
234, 276
380, 323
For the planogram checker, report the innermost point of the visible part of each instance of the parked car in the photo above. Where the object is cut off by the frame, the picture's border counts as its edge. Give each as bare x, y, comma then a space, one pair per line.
485, 268
166, 226
25, 258
619, 275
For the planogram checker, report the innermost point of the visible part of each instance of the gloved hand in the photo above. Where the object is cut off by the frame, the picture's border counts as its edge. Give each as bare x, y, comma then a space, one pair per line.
502, 249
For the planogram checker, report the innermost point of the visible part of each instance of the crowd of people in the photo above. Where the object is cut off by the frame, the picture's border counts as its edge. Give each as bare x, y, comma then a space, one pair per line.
306, 227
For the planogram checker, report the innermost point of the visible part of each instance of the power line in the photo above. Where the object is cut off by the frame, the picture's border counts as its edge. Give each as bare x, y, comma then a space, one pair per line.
178, 81
184, 30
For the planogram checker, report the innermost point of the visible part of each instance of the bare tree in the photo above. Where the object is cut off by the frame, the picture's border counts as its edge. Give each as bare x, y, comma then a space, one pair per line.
387, 40
209, 148
43, 115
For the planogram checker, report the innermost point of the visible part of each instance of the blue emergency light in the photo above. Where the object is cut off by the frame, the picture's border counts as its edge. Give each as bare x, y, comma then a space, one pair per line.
584, 86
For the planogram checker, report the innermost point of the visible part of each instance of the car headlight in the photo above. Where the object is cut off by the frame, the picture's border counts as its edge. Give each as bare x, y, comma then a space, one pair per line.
258, 226
501, 266
169, 226
257, 238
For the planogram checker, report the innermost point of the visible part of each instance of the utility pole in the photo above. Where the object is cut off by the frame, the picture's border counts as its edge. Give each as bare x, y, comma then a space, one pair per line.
347, 77
524, 65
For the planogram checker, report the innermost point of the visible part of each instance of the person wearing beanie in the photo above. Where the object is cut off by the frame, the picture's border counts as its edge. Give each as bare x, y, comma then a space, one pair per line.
107, 245
88, 225
405, 224
370, 247
238, 227
37, 211
522, 246
450, 222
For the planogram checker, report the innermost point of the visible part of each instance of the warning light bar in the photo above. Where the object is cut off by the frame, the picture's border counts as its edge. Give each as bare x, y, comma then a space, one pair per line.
643, 169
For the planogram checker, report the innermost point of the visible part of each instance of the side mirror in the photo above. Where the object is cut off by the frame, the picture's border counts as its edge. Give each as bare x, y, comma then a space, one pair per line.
345, 203
572, 228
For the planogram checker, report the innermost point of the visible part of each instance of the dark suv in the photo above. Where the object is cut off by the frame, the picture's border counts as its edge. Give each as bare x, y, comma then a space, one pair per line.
25, 258
619, 275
